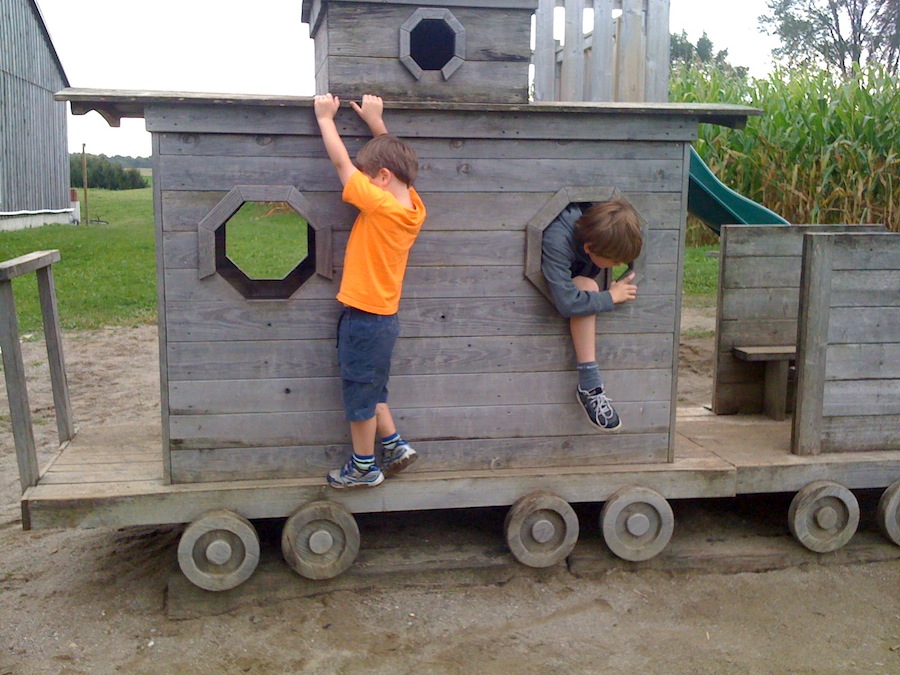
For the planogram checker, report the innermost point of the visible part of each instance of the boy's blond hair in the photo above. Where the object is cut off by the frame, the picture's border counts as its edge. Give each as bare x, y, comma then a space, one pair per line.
388, 152
611, 229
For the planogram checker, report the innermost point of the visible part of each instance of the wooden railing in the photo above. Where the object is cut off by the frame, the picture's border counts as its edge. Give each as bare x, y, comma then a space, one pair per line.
40, 263
624, 58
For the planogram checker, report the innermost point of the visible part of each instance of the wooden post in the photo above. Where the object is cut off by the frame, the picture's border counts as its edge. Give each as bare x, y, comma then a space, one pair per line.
656, 84
572, 76
812, 343
602, 52
84, 182
53, 337
14, 370
544, 52
630, 61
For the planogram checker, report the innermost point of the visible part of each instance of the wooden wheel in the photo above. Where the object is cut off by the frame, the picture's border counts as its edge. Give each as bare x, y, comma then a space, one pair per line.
823, 516
637, 523
888, 513
541, 529
219, 550
320, 540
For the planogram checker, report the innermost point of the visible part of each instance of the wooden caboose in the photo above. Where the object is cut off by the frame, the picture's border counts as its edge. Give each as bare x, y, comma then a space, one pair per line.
483, 375
483, 380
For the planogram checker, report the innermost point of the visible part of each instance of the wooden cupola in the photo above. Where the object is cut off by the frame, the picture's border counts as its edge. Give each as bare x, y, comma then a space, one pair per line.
474, 51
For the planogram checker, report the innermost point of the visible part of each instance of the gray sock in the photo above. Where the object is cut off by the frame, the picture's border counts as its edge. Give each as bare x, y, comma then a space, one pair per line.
589, 375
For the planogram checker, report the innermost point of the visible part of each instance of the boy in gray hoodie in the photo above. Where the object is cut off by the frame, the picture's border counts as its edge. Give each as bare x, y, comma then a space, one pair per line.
577, 245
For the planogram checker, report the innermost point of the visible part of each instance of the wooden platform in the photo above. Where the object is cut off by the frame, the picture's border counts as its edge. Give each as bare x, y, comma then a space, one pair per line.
113, 477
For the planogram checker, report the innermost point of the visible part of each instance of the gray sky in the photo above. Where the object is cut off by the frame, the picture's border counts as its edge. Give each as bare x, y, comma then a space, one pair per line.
206, 45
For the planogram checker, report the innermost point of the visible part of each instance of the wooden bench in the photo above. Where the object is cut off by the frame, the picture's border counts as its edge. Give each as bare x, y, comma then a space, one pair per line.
756, 315
777, 359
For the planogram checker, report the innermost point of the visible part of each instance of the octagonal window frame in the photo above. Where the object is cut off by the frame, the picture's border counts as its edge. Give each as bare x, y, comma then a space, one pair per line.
551, 210
433, 14
213, 259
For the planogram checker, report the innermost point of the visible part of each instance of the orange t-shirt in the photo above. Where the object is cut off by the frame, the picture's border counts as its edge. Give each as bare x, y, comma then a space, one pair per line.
378, 248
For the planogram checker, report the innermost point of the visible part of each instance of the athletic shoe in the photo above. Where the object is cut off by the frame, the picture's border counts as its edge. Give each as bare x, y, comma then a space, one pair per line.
348, 476
599, 410
398, 459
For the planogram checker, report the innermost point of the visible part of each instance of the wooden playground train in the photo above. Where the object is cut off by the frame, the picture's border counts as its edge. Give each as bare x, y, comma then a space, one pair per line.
482, 374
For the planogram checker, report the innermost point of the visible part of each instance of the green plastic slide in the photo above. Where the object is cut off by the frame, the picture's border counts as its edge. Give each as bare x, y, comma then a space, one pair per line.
716, 204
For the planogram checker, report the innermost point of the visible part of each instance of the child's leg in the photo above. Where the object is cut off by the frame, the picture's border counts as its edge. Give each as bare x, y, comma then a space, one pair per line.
397, 453
591, 395
584, 339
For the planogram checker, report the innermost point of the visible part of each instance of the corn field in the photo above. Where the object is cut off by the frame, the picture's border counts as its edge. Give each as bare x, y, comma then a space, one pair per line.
825, 150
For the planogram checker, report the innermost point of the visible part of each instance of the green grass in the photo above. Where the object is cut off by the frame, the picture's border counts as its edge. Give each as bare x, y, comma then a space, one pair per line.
266, 240
107, 274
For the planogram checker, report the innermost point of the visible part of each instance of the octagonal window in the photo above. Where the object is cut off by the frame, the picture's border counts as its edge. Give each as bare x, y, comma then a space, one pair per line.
264, 242
432, 40
584, 197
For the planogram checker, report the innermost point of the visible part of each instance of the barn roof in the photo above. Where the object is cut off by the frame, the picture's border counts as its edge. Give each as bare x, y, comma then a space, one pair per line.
40, 19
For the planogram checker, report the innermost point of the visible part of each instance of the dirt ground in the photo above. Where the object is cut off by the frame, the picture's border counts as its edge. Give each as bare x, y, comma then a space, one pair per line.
95, 601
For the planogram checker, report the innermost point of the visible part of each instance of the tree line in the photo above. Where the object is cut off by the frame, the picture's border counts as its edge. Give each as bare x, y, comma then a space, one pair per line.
103, 172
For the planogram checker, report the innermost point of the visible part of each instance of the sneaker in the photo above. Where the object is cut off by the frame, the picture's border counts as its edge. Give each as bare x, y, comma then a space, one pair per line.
399, 458
348, 476
599, 410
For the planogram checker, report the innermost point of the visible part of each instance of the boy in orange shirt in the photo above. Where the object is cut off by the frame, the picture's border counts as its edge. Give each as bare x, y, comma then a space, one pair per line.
391, 214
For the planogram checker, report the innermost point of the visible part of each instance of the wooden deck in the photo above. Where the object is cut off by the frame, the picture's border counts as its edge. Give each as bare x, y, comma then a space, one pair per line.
113, 477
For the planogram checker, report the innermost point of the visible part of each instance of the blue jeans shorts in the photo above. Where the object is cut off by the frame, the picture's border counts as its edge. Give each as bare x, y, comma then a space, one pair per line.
365, 343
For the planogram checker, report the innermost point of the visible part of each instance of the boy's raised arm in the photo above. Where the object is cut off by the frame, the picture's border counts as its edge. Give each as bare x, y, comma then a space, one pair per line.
371, 112
326, 107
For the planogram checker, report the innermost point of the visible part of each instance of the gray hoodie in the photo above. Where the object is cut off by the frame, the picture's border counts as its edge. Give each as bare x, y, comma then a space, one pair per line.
562, 258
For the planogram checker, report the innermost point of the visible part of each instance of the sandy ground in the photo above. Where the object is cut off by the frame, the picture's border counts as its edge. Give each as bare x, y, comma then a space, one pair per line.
95, 601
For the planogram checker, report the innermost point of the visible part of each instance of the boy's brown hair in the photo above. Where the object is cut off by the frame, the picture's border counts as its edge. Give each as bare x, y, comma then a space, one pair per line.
388, 152
611, 229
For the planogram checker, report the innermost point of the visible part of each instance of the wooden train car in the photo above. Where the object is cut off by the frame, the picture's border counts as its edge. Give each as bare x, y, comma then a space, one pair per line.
482, 377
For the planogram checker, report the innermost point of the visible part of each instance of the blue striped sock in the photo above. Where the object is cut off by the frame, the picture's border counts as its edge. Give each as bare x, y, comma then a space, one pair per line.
363, 464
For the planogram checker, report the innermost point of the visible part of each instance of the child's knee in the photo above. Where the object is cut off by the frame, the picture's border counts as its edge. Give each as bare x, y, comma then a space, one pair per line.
586, 284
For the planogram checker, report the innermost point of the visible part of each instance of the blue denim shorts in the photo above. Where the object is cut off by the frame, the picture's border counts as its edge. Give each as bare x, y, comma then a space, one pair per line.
365, 343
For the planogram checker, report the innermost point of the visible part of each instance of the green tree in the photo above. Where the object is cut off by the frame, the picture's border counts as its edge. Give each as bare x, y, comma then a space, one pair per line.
703, 55
839, 34
102, 173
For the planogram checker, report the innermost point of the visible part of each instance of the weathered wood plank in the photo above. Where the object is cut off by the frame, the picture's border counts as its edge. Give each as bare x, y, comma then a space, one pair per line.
436, 391
869, 288
119, 503
844, 398
412, 356
770, 304
863, 325
864, 361
506, 453
860, 433
879, 251
472, 84
435, 175
441, 249
781, 240
542, 121
420, 317
17, 267
777, 272
322, 428
306, 147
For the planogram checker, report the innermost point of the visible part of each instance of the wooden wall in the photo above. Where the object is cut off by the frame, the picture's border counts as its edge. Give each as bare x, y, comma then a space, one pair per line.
758, 304
358, 44
483, 374
848, 366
